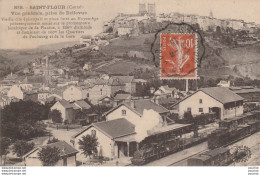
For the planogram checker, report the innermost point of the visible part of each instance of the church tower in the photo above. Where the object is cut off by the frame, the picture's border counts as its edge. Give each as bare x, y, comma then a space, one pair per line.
151, 10
142, 9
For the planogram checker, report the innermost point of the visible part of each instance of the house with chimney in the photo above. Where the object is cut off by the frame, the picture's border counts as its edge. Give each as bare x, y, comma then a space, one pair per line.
132, 110
126, 126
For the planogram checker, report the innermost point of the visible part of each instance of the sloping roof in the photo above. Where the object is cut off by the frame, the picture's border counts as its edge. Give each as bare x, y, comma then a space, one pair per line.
142, 104
115, 128
83, 104
139, 105
122, 96
34, 79
64, 147
139, 81
66, 104
244, 91
58, 92
112, 128
125, 79
116, 82
103, 97
167, 88
221, 94
101, 81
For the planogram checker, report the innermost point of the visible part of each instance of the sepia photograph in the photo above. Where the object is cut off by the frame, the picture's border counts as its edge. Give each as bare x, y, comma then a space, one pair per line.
131, 83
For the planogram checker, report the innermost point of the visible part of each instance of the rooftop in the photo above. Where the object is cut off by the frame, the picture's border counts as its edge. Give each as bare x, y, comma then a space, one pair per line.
64, 147
82, 104
113, 128
65, 104
116, 128
122, 96
125, 79
141, 104
221, 94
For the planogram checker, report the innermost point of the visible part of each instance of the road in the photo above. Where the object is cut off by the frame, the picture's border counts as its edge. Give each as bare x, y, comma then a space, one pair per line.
63, 134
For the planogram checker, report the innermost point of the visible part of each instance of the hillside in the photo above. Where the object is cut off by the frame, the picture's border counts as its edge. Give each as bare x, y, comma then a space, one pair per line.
132, 56
218, 62
15, 60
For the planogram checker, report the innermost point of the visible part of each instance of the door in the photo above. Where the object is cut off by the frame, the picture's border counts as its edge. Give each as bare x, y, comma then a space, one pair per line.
217, 111
65, 161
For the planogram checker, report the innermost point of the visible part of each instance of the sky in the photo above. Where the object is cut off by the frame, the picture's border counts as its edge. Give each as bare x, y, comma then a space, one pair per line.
247, 10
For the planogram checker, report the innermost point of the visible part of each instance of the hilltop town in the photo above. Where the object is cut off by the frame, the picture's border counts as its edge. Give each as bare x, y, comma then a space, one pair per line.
105, 91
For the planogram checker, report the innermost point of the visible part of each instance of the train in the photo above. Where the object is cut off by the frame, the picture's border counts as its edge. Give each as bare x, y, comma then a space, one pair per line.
216, 157
155, 151
235, 129
229, 131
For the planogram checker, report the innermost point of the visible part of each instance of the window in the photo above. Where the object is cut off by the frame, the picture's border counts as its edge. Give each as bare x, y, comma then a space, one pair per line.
123, 112
200, 109
93, 133
189, 109
200, 101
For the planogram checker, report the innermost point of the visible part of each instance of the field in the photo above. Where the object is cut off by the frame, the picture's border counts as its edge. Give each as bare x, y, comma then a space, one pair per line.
122, 67
120, 46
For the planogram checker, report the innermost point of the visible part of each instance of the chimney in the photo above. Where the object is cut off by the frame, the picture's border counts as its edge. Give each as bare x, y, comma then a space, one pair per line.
187, 85
156, 99
114, 104
152, 89
132, 103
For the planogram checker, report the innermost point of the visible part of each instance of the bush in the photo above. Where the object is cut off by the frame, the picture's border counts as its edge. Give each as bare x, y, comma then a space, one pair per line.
49, 155
55, 115
53, 140
22, 147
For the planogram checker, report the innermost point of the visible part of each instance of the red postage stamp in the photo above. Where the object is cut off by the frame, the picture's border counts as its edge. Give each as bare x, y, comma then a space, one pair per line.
178, 56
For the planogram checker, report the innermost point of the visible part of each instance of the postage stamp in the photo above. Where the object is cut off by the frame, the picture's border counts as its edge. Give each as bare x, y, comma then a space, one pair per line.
178, 56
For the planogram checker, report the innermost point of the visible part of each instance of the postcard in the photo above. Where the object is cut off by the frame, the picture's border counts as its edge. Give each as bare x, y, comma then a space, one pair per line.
130, 83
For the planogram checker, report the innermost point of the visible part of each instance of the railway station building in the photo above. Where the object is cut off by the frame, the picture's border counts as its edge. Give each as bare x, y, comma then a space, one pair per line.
224, 102
126, 126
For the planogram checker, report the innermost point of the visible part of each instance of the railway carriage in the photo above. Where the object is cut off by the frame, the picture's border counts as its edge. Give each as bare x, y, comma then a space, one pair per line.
217, 157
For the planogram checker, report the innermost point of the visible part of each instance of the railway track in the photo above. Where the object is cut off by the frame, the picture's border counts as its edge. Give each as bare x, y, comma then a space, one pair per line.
208, 150
186, 158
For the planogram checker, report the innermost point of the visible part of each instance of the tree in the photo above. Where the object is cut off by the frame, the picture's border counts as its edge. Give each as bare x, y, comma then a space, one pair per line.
55, 115
19, 120
5, 143
88, 144
218, 31
25, 130
53, 140
49, 155
21, 147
